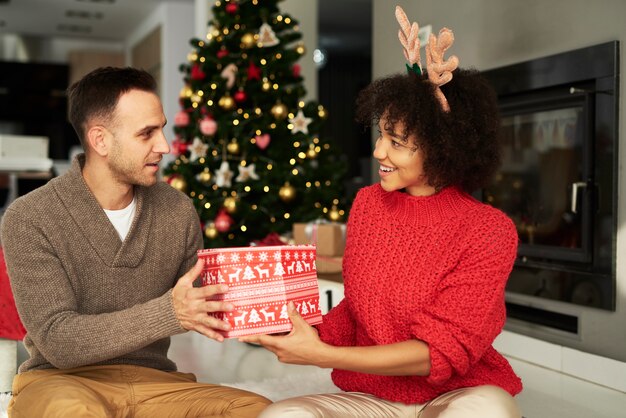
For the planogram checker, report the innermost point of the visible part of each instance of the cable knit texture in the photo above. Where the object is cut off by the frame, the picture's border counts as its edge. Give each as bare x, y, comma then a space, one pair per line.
430, 268
84, 296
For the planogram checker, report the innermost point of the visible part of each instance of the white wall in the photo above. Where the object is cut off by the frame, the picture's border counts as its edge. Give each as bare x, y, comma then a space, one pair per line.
493, 33
305, 12
50, 50
177, 23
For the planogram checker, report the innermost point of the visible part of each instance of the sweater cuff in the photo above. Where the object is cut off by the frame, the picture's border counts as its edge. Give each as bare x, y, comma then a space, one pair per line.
162, 320
440, 370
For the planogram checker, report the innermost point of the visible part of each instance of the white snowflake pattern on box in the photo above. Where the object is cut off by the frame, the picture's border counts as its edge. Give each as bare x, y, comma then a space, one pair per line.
261, 281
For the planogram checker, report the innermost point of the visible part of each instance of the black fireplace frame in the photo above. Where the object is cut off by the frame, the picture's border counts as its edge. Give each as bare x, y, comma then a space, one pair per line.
588, 77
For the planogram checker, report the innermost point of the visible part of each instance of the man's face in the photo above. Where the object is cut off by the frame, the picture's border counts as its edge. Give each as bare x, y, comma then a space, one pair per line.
138, 142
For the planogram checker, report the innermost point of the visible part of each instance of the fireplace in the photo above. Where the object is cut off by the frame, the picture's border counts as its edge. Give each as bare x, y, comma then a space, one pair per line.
558, 183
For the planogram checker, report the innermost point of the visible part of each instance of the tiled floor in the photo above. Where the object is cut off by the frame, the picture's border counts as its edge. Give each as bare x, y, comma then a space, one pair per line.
547, 394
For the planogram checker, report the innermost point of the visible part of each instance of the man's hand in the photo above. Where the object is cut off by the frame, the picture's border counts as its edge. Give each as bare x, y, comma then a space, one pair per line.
192, 307
301, 346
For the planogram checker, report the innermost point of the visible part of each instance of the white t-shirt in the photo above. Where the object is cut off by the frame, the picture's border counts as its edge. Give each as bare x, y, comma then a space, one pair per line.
122, 219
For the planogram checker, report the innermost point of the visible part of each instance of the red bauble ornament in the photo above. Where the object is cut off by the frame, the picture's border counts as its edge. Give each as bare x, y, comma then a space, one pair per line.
240, 96
179, 147
223, 221
296, 70
254, 72
197, 73
231, 8
181, 119
208, 126
222, 53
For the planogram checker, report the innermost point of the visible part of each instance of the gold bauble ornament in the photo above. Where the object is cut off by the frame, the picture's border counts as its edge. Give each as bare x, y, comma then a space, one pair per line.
248, 41
185, 92
178, 183
226, 102
334, 214
205, 176
210, 231
279, 111
287, 193
230, 203
311, 153
233, 147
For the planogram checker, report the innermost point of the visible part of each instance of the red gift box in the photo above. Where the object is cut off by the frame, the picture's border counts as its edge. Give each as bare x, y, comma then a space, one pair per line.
261, 281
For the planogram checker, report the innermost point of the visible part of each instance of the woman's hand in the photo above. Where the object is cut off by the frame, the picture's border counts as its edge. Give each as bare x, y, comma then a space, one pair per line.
301, 346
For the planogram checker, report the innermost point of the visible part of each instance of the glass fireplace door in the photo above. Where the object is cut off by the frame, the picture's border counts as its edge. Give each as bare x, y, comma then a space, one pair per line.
544, 183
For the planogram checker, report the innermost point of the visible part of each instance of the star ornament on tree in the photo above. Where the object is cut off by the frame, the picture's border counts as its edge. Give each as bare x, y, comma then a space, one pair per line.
247, 173
224, 176
198, 149
300, 123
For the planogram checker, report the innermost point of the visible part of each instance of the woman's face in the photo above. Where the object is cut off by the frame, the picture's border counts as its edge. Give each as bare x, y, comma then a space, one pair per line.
401, 161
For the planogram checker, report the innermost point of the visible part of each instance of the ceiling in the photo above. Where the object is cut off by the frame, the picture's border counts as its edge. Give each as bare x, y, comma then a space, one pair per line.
111, 20
114, 20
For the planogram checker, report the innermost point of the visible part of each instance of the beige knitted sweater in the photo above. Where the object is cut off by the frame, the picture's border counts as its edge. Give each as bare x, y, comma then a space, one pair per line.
84, 296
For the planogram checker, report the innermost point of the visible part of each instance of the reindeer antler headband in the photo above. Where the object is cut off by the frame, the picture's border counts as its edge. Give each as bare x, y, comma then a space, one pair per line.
439, 71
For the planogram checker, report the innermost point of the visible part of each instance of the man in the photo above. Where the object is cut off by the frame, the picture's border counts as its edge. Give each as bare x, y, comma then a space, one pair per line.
102, 262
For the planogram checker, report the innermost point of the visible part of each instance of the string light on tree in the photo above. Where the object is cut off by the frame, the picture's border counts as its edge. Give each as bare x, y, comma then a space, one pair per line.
243, 99
204, 176
226, 102
248, 41
179, 183
287, 193
279, 111
334, 215
230, 204
210, 231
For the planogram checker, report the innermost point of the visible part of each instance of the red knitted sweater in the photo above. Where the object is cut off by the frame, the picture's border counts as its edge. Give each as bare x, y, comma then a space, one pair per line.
431, 268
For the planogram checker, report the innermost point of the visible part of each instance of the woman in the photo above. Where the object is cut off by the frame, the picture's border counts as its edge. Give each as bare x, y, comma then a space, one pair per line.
425, 264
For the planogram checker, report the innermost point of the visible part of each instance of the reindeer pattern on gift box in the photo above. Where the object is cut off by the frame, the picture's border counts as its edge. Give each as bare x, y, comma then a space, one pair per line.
261, 281
218, 267
268, 313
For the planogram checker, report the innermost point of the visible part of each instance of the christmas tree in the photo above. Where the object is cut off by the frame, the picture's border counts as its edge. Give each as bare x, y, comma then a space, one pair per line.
248, 150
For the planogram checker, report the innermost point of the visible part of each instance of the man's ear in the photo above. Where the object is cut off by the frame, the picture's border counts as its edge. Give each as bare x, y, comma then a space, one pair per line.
97, 140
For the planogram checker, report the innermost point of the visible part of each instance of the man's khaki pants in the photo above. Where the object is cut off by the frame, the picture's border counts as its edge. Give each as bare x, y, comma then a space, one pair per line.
126, 391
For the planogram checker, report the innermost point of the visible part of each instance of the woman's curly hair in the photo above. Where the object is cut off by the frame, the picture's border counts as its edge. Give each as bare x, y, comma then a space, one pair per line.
460, 147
